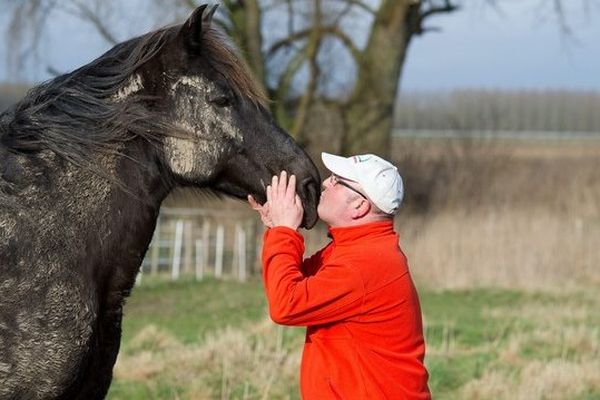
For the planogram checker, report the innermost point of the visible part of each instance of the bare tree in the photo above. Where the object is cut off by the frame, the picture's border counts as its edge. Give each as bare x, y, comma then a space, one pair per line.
288, 44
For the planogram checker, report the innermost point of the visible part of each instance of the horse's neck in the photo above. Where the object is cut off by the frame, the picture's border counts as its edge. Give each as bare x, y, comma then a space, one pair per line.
131, 213
86, 215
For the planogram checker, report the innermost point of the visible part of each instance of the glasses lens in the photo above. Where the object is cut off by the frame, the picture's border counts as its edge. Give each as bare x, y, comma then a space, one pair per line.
335, 180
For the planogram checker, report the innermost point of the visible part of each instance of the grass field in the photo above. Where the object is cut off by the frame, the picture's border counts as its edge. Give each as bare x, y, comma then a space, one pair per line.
502, 240
213, 339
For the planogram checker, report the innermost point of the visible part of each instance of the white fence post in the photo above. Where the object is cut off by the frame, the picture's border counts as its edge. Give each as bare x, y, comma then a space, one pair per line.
219, 251
186, 239
188, 246
205, 242
199, 260
177, 250
241, 251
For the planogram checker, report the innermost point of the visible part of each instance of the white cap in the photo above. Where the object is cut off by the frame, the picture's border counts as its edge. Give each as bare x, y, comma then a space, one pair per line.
379, 179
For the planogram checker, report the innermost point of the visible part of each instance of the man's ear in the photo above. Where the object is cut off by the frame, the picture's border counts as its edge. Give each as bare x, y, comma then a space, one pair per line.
359, 208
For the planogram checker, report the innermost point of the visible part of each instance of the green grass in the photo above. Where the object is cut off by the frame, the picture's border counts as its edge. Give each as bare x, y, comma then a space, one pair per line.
188, 309
143, 391
467, 332
461, 317
456, 324
470, 334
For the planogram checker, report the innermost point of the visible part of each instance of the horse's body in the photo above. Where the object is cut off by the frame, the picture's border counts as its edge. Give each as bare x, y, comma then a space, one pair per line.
85, 161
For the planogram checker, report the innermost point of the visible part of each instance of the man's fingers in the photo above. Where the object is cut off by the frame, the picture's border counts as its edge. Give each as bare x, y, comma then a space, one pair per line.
253, 203
283, 182
274, 186
263, 211
299, 202
290, 191
283, 206
279, 185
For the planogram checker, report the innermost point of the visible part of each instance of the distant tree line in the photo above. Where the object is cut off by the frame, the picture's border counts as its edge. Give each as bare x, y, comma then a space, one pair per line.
519, 110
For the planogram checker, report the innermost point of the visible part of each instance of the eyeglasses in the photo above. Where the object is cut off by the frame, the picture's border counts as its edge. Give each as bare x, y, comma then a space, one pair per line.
334, 180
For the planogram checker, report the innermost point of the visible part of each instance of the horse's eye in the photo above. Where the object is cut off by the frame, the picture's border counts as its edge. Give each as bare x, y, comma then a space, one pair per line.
221, 101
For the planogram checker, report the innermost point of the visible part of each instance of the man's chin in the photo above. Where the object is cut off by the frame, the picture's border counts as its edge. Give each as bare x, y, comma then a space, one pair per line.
322, 216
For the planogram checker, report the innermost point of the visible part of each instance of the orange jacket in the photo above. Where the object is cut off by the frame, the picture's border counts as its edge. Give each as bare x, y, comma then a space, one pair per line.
364, 338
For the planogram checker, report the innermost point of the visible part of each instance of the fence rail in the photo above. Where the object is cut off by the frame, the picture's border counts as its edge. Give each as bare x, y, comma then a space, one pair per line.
203, 242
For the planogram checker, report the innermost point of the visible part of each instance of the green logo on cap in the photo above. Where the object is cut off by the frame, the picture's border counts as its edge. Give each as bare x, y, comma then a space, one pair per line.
358, 159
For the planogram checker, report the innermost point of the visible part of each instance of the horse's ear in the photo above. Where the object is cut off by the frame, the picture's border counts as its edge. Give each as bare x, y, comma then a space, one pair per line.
207, 18
191, 30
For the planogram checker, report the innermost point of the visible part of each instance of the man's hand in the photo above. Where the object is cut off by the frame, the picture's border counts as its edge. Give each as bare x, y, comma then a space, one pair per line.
285, 206
263, 211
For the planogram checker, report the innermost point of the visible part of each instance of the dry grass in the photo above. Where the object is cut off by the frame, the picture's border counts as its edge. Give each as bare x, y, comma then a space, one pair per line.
561, 177
498, 214
552, 380
540, 346
494, 214
569, 375
550, 350
477, 215
501, 214
504, 248
230, 363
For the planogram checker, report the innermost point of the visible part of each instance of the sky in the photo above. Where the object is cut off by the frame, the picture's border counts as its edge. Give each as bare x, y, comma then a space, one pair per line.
519, 46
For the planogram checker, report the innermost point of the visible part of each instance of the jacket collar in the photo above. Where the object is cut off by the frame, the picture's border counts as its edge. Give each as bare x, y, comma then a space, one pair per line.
369, 231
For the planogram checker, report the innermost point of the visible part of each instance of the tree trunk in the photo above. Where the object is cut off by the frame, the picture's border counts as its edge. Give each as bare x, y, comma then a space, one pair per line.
369, 113
246, 21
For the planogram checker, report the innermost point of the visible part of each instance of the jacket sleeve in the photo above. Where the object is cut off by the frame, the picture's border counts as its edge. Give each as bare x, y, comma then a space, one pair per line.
335, 292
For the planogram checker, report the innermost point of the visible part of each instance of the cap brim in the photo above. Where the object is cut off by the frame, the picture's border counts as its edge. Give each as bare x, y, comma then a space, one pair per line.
340, 166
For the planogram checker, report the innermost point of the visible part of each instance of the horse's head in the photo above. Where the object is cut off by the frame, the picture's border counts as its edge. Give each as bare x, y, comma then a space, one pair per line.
225, 137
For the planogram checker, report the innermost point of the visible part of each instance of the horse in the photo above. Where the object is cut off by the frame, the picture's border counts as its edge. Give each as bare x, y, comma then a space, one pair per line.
85, 162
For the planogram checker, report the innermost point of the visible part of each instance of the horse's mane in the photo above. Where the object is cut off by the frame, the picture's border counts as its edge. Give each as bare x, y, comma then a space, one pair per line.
76, 113
73, 114
231, 66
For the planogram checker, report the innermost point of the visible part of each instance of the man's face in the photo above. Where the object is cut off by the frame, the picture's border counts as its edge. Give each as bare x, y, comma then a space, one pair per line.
336, 198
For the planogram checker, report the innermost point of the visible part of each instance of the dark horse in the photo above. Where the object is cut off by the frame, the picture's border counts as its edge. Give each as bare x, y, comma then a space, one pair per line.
85, 161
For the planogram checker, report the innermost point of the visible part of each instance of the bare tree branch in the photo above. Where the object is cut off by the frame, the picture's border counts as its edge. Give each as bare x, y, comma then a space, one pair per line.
562, 18
53, 71
360, 4
244, 27
308, 96
84, 12
332, 30
290, 17
28, 19
434, 9
342, 14
285, 81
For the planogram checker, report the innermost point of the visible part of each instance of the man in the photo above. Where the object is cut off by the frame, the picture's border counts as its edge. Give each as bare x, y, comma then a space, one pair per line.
364, 337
